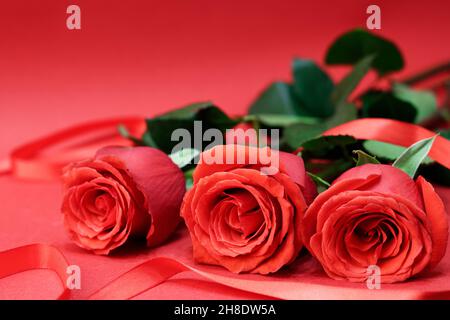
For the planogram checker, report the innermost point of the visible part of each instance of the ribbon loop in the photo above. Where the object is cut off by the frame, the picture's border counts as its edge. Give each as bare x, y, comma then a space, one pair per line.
44, 158
35, 256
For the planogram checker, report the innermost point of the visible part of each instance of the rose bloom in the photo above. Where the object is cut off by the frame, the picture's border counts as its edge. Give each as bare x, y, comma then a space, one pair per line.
122, 192
376, 215
242, 219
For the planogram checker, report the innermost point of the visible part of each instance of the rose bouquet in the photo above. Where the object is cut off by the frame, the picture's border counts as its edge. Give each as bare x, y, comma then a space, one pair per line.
307, 171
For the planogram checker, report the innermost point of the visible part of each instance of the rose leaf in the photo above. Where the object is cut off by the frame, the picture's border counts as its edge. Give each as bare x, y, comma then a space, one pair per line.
423, 101
313, 87
297, 134
160, 128
321, 184
410, 160
380, 104
388, 151
184, 157
278, 98
364, 158
354, 45
123, 131
189, 178
279, 120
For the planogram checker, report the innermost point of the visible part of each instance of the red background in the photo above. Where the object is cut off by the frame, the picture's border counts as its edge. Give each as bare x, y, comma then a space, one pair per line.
143, 57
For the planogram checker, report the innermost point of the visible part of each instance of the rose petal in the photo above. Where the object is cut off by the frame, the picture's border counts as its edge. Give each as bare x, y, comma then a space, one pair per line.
436, 213
160, 181
392, 180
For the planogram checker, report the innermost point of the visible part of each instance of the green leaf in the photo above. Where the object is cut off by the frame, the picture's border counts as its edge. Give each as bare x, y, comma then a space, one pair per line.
297, 134
313, 88
344, 112
324, 144
387, 151
123, 131
423, 101
147, 140
280, 120
445, 133
353, 46
329, 147
331, 170
346, 86
184, 157
278, 98
335, 150
321, 184
189, 179
364, 158
160, 128
379, 104
410, 160
383, 150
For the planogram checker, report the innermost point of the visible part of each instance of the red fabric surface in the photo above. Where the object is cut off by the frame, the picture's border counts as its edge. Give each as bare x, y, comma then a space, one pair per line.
304, 279
144, 57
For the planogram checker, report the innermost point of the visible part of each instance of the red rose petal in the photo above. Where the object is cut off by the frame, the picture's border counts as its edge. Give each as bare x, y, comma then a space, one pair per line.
437, 216
309, 223
160, 181
392, 180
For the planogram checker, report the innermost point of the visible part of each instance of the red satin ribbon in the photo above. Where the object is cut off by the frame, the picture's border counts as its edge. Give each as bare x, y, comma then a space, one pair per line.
44, 158
29, 161
35, 256
395, 132
128, 285
140, 279
155, 271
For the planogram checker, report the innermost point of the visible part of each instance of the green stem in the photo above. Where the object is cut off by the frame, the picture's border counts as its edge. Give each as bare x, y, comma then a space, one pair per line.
427, 73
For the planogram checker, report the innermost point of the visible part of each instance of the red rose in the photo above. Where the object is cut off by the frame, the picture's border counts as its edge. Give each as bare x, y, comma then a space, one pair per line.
242, 219
376, 215
122, 192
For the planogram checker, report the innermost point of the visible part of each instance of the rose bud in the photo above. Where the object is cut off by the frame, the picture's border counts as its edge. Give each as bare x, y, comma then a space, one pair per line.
242, 219
122, 193
376, 215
